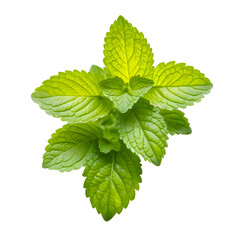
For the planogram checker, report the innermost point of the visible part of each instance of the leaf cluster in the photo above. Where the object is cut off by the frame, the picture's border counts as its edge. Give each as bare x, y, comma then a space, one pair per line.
117, 113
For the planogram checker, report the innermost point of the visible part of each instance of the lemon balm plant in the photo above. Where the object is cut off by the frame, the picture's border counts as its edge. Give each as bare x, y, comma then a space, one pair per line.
117, 113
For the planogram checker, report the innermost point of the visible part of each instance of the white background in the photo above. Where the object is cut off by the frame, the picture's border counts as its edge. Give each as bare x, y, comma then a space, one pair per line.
194, 194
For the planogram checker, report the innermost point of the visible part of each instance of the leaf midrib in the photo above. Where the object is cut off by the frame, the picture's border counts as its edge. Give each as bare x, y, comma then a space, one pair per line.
89, 140
145, 136
72, 96
210, 85
125, 50
110, 182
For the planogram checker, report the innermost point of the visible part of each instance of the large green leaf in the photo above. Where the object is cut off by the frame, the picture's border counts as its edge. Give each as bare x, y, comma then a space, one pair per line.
176, 122
111, 180
177, 85
71, 146
144, 131
73, 96
127, 52
124, 95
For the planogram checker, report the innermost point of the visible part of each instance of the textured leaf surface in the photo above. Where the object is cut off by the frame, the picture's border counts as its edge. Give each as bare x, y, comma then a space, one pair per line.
144, 131
124, 95
127, 52
71, 146
177, 85
111, 180
73, 96
176, 122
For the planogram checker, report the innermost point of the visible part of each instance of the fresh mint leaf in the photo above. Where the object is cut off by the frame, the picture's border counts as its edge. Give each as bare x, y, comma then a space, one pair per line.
138, 85
73, 96
144, 131
109, 138
99, 71
124, 95
177, 85
176, 122
127, 52
108, 73
111, 181
106, 146
71, 146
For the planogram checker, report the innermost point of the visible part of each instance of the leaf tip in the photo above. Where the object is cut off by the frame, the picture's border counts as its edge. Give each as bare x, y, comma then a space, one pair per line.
33, 96
121, 18
44, 165
107, 217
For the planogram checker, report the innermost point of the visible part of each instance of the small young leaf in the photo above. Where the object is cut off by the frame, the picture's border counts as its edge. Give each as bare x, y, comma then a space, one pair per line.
108, 121
111, 180
71, 146
127, 52
106, 146
109, 138
138, 85
176, 122
73, 96
144, 131
99, 71
177, 85
108, 73
124, 95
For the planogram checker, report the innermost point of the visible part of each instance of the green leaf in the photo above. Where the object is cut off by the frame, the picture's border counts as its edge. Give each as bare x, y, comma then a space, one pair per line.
177, 85
127, 52
73, 96
111, 180
71, 146
108, 121
138, 85
109, 140
124, 95
99, 71
144, 131
176, 122
109, 136
108, 74
106, 146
